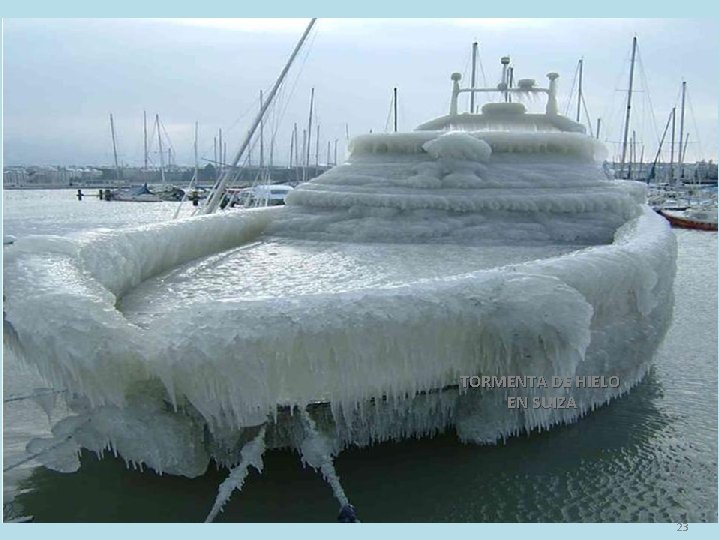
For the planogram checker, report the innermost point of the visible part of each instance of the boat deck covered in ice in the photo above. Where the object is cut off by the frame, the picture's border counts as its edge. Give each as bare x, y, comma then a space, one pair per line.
479, 244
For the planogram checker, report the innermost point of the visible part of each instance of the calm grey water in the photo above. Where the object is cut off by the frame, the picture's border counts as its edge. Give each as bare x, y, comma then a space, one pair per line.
650, 456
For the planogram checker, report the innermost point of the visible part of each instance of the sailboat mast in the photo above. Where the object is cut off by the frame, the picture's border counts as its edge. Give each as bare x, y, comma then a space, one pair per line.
309, 128
629, 104
659, 150
672, 148
633, 155
395, 109
597, 130
262, 136
197, 164
472, 76
220, 150
112, 132
317, 148
304, 146
160, 149
681, 153
294, 144
580, 94
292, 148
145, 140
219, 190
215, 157
304, 152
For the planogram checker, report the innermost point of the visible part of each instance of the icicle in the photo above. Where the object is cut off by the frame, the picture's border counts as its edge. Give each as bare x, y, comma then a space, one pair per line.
316, 453
251, 454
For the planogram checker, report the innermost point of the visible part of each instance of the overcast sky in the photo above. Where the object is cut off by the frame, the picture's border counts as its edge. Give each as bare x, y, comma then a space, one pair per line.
63, 77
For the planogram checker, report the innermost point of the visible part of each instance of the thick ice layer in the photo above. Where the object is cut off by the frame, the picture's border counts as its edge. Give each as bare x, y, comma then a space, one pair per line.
372, 330
230, 363
460, 187
277, 268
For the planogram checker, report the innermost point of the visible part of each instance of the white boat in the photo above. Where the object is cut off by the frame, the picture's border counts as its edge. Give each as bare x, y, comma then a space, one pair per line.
260, 195
479, 245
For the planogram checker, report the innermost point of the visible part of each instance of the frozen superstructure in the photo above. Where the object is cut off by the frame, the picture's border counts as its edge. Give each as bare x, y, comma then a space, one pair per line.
480, 244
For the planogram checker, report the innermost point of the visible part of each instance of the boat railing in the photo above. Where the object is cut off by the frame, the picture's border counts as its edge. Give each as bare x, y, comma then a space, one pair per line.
524, 87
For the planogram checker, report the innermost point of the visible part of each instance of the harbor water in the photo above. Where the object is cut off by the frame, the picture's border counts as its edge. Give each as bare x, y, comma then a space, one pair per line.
649, 456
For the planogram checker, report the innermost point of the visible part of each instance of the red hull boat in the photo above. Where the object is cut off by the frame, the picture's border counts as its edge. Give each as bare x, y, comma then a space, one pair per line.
688, 223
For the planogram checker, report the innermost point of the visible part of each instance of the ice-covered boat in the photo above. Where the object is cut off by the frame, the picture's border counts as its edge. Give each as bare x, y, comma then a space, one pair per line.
479, 245
699, 217
145, 194
260, 195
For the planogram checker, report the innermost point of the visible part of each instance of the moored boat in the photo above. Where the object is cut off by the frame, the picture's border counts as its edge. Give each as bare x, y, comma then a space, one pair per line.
700, 218
487, 244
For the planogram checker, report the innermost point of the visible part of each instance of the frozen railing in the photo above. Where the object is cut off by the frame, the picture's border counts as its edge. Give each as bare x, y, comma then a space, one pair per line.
524, 86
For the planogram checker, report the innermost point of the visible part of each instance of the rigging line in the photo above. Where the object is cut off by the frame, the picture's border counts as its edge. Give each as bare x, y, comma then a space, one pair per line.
275, 108
482, 70
587, 115
677, 96
389, 115
697, 131
242, 116
235, 169
252, 104
152, 135
572, 89
306, 54
643, 78
675, 104
609, 112
44, 450
167, 137
245, 163
46, 392
468, 59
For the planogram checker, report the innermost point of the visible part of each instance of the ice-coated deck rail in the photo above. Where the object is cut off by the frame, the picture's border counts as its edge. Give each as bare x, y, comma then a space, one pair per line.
525, 86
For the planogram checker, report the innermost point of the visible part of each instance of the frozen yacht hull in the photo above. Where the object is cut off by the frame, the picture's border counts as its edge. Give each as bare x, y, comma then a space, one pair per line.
499, 250
194, 383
